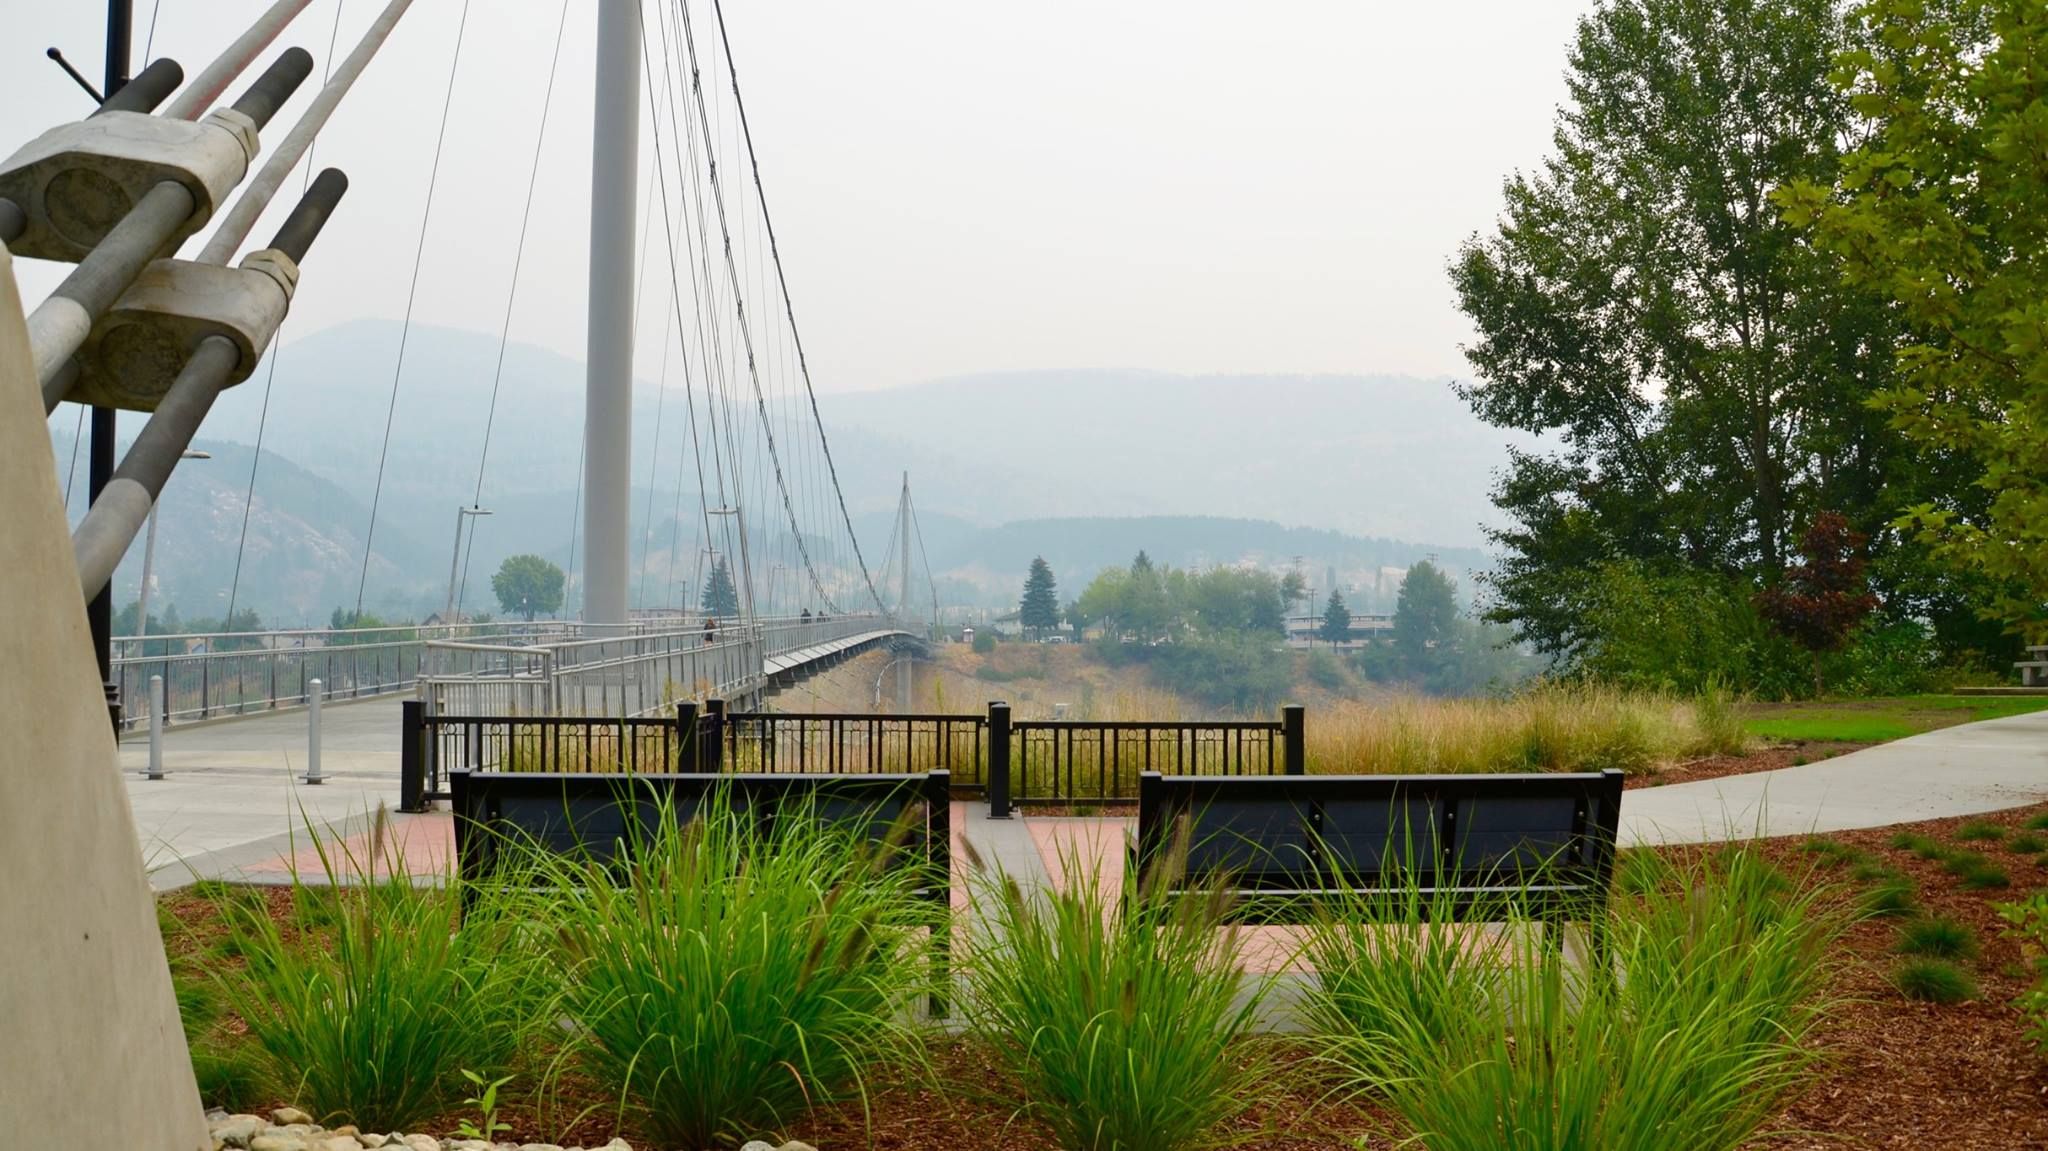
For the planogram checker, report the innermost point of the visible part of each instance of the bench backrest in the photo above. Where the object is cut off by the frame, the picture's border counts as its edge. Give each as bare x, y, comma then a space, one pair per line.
1545, 840
605, 816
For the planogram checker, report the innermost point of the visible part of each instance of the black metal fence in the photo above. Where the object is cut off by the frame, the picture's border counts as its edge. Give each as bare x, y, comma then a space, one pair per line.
853, 744
1062, 761
1011, 762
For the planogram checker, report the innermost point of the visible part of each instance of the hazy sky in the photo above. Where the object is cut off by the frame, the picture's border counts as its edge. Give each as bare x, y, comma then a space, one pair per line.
1193, 186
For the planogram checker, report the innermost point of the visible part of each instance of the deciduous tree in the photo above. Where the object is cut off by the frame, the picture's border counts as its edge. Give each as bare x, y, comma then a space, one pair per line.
529, 585
1821, 599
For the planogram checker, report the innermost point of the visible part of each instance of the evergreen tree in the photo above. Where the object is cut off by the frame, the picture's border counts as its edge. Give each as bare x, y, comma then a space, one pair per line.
1336, 619
1425, 618
1040, 610
720, 598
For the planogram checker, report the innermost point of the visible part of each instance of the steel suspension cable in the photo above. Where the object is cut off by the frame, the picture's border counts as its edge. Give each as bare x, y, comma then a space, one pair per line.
276, 344
789, 306
746, 334
411, 295
511, 298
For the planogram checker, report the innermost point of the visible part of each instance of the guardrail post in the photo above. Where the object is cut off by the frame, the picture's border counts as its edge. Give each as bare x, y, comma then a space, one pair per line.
156, 727
1294, 739
412, 760
998, 760
714, 723
686, 737
313, 693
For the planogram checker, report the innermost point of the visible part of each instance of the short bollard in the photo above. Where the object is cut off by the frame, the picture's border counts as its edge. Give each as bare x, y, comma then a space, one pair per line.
313, 693
156, 727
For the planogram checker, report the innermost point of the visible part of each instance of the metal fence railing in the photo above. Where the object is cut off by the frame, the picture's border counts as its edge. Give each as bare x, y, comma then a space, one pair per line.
611, 675
855, 744
1029, 762
1068, 761
231, 673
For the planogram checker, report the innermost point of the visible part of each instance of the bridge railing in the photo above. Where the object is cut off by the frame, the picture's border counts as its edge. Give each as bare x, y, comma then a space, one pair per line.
618, 674
231, 673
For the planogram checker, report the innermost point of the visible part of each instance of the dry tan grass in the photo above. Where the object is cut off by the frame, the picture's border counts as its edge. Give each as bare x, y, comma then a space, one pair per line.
1547, 728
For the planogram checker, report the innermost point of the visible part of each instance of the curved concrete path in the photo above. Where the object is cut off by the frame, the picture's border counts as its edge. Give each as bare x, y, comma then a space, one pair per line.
1965, 770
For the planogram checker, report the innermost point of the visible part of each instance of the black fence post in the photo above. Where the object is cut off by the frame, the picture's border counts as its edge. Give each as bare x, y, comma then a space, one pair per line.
1294, 739
714, 723
998, 760
412, 765
686, 737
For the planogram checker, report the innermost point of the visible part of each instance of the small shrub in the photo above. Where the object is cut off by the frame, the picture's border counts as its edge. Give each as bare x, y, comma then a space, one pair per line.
1833, 852
1961, 863
1934, 981
1724, 988
2026, 923
1121, 1031
1937, 939
1873, 872
1979, 829
1986, 878
2037, 823
731, 976
2025, 843
1889, 899
228, 1076
371, 1007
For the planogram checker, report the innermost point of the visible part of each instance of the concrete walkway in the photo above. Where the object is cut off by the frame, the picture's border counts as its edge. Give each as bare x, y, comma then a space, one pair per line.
234, 802
1965, 770
234, 805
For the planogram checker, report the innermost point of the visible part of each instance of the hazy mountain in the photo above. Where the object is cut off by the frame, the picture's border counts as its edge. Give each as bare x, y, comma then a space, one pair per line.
1002, 467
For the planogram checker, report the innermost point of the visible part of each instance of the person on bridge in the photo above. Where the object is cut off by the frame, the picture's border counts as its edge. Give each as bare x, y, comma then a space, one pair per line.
710, 629
806, 617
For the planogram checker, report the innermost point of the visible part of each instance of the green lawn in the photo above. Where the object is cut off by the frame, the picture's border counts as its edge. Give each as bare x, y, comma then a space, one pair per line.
1878, 720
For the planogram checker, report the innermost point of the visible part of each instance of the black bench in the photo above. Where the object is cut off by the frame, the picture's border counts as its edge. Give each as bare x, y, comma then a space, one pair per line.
1469, 846
605, 817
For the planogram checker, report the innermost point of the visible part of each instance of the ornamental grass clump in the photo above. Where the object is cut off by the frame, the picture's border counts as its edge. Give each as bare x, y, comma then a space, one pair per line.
368, 1002
724, 976
1121, 1015
1692, 1038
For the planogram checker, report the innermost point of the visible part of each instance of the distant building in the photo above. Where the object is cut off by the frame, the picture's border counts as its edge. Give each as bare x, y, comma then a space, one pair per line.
1365, 627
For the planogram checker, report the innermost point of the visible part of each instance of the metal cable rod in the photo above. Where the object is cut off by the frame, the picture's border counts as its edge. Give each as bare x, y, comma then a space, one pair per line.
746, 335
789, 307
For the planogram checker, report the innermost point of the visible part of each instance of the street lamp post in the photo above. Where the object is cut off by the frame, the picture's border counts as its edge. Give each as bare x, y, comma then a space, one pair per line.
149, 560
461, 513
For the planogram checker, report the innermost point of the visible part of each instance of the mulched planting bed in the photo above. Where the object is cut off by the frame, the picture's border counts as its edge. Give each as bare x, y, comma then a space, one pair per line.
1903, 1073
1898, 1074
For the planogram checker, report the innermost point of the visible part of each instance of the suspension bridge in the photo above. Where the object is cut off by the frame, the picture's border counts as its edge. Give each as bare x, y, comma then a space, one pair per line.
680, 238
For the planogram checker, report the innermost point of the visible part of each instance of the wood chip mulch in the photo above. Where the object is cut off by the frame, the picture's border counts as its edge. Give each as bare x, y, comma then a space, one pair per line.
1904, 1074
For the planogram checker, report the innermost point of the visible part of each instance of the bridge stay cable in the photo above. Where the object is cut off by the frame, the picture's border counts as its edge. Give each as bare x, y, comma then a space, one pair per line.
789, 306
412, 294
746, 332
511, 299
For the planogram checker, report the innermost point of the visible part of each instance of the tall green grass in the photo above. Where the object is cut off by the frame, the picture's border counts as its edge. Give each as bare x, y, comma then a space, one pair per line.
368, 1003
728, 977
1692, 1039
1117, 1014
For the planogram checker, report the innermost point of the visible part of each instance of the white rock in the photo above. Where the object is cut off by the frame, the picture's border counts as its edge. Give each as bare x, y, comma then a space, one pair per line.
236, 1130
421, 1143
540, 1147
372, 1141
795, 1145
469, 1145
286, 1116
757, 1145
276, 1141
331, 1142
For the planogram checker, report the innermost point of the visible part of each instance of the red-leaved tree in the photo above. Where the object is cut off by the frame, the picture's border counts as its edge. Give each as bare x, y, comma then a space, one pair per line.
1821, 599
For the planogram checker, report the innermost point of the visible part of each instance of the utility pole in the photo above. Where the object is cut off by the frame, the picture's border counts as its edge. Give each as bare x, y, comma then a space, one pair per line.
99, 613
903, 688
608, 394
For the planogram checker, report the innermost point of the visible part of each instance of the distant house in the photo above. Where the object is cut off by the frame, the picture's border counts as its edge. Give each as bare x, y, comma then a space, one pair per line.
1304, 629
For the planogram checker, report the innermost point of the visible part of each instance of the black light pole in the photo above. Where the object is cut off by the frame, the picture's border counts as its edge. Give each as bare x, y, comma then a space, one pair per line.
100, 468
